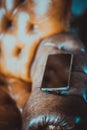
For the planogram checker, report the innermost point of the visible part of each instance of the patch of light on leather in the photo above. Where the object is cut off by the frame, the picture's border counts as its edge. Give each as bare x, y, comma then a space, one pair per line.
9, 4
2, 12
1, 36
41, 7
50, 44
23, 19
9, 42
23, 36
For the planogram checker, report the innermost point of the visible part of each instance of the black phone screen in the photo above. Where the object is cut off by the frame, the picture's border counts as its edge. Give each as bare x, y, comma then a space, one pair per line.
57, 72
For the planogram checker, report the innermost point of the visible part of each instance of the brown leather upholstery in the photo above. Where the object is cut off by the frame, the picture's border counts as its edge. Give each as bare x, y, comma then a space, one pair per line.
10, 118
23, 24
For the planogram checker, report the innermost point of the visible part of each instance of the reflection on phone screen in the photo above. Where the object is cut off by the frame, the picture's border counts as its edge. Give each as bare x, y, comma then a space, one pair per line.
57, 72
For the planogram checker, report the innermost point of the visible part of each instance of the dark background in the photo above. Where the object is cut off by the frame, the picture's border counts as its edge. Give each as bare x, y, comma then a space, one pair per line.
79, 20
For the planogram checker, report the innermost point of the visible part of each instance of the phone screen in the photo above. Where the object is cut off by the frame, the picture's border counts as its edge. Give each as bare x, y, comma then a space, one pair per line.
57, 72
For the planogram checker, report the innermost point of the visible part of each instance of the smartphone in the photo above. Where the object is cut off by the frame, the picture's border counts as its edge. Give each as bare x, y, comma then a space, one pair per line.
57, 73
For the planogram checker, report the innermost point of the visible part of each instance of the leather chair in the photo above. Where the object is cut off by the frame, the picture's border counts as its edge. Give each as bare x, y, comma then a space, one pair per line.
27, 27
